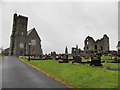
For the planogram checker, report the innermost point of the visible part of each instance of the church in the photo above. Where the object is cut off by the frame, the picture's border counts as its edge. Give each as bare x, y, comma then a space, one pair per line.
23, 42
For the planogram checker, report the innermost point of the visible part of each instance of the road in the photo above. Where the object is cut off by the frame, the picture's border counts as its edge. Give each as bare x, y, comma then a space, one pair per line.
0, 74
16, 74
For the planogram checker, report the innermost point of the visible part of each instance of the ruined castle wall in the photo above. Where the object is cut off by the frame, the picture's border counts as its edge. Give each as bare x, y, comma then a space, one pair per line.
106, 43
89, 44
99, 45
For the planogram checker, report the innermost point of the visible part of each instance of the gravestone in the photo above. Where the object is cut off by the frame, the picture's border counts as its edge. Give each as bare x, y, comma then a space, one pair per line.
64, 59
29, 58
76, 59
53, 54
96, 60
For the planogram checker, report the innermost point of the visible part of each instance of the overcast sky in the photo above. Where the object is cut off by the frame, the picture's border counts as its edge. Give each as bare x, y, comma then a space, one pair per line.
61, 24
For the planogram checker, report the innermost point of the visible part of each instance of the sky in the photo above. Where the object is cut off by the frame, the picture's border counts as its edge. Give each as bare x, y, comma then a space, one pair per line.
61, 24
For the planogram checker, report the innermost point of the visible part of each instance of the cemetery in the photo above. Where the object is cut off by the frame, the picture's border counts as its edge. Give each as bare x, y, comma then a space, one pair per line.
95, 63
78, 71
80, 75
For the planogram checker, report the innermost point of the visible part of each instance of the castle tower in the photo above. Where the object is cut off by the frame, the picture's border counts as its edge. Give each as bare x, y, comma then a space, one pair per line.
19, 34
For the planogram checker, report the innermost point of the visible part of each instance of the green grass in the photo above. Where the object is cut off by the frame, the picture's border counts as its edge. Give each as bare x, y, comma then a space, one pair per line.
107, 57
85, 60
103, 58
111, 65
1, 57
77, 75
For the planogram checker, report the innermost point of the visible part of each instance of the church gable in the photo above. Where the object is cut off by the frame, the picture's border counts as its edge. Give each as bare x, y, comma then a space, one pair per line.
35, 42
33, 33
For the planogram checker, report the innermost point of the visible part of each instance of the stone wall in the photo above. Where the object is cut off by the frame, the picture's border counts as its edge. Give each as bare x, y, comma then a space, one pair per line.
19, 34
20, 38
35, 43
101, 45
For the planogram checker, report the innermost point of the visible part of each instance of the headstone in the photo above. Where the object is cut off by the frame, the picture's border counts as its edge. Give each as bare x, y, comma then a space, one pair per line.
53, 54
96, 60
29, 58
76, 59
64, 59
76, 51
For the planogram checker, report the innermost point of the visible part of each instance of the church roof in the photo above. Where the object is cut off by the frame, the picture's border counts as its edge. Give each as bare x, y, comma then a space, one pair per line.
118, 44
32, 30
28, 32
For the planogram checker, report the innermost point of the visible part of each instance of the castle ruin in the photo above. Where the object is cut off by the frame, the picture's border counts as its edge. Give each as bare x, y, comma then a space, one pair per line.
101, 45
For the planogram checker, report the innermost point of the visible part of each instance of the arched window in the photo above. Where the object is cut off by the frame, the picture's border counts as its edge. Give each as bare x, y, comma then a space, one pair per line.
87, 48
33, 42
95, 47
101, 48
22, 33
87, 43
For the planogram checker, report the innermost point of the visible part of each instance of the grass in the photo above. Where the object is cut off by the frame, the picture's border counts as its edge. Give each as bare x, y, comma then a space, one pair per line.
78, 75
106, 57
111, 65
1, 57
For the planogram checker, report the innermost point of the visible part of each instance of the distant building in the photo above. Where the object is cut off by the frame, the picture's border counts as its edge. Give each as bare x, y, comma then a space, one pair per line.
21, 39
76, 51
118, 46
6, 51
99, 45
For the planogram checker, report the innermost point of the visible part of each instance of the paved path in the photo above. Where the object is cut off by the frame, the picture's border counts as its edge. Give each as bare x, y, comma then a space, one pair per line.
0, 74
16, 74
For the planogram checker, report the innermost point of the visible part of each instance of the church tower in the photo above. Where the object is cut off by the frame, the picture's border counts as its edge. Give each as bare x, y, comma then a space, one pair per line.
19, 34
13, 34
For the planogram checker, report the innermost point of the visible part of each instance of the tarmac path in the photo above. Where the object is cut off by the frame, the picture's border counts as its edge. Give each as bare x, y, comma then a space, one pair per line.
16, 74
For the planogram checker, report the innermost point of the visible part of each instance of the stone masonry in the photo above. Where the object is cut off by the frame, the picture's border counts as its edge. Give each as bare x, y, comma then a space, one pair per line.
20, 38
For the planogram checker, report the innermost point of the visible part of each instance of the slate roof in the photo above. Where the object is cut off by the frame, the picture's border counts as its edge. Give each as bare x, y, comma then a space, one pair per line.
118, 44
33, 29
28, 32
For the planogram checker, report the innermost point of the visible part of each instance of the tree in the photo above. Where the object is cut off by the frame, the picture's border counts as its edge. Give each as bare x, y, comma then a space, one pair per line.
66, 50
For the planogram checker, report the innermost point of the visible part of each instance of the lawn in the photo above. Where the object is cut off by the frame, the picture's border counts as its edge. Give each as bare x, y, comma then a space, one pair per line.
111, 65
1, 57
78, 75
106, 57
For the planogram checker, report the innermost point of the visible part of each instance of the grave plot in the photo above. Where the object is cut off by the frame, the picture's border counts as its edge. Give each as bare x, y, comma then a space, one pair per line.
79, 76
77, 59
96, 60
64, 59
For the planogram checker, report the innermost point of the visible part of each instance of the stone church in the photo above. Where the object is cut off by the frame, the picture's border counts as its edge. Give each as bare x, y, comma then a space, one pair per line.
101, 45
23, 42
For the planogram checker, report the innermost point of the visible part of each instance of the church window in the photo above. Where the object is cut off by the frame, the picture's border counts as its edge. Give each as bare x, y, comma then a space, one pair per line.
87, 42
33, 42
95, 47
22, 33
87, 48
101, 48
21, 45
